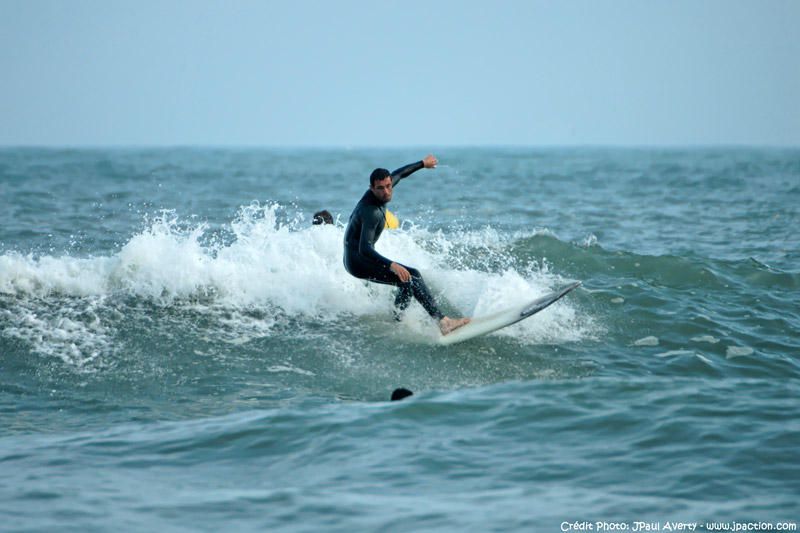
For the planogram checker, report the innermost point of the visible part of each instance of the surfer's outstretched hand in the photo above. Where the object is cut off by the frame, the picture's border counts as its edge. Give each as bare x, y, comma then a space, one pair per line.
430, 161
447, 324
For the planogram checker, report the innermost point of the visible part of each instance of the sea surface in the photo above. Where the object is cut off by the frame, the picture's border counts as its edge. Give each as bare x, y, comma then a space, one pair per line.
181, 350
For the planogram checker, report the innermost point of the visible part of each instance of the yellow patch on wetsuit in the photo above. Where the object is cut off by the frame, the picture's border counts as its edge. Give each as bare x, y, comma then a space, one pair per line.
392, 221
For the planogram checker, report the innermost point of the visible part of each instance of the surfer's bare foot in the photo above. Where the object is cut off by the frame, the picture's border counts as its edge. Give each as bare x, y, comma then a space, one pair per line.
447, 324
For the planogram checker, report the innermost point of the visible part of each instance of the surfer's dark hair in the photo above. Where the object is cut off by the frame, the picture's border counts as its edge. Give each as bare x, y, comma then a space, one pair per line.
322, 217
377, 175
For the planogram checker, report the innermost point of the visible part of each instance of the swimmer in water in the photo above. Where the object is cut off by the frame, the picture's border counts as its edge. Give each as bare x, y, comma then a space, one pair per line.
322, 217
364, 229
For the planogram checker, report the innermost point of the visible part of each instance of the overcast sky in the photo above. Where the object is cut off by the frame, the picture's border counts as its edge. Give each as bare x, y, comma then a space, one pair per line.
381, 73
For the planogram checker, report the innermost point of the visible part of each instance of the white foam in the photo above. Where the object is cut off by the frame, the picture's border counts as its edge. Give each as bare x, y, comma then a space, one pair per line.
263, 262
589, 241
675, 353
297, 268
26, 275
738, 351
704, 359
73, 333
646, 341
705, 338
290, 369
298, 271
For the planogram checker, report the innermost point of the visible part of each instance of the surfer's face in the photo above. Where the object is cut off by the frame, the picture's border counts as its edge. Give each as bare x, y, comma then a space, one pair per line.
382, 189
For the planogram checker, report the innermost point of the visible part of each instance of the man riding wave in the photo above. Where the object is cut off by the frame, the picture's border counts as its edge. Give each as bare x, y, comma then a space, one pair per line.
365, 227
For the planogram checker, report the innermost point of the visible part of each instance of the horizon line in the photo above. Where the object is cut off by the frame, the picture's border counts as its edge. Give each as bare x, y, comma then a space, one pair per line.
353, 147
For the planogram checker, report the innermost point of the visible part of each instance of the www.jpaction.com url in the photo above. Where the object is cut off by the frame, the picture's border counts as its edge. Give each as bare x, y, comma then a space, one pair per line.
637, 526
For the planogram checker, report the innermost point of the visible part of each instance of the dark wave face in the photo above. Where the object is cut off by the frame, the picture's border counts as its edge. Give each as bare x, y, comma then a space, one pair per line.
179, 341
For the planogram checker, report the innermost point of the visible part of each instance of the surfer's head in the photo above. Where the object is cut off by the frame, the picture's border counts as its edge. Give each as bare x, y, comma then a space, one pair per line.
380, 183
322, 217
379, 174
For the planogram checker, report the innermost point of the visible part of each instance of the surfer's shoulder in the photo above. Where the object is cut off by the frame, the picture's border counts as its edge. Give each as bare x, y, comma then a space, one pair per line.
370, 210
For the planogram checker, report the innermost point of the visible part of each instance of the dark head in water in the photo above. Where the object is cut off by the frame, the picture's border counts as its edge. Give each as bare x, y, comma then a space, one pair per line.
380, 183
401, 393
322, 217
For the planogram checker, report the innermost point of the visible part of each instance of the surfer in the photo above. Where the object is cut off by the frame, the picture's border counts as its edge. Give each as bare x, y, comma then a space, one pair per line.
365, 227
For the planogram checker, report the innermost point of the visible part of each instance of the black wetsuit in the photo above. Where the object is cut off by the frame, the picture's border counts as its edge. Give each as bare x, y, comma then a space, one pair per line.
362, 261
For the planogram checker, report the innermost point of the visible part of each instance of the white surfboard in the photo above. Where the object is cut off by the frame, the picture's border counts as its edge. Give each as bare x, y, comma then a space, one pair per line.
489, 323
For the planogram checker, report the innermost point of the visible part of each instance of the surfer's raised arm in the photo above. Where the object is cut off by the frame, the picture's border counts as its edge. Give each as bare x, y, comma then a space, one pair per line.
430, 161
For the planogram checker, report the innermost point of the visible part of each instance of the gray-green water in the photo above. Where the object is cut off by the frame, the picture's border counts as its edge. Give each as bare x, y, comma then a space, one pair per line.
181, 350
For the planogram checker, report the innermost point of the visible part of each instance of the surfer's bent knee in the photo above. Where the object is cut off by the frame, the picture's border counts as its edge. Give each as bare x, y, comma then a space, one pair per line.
414, 272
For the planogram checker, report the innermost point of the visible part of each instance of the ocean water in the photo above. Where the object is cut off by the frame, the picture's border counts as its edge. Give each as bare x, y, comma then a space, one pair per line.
181, 350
